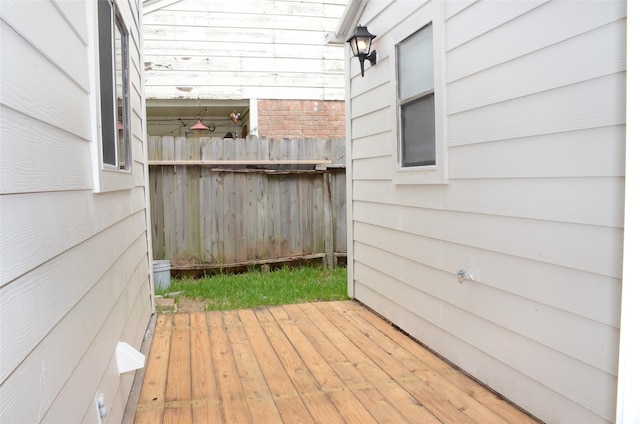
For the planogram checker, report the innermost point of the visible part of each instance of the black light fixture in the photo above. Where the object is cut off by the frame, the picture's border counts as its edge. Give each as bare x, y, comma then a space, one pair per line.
361, 46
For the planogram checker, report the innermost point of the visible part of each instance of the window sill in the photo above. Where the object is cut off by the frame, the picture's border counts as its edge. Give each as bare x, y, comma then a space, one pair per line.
108, 180
420, 175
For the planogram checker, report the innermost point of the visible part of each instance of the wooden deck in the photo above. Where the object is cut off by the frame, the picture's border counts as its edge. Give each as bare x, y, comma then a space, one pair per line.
319, 362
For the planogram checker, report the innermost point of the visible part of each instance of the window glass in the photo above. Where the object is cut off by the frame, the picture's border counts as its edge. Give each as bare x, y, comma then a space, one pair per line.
416, 99
418, 128
415, 63
114, 87
122, 96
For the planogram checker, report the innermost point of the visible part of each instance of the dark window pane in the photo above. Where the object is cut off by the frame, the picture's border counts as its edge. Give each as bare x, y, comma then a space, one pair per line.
418, 132
107, 106
122, 95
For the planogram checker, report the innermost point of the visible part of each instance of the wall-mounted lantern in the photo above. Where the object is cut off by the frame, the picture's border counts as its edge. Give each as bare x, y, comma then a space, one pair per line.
361, 46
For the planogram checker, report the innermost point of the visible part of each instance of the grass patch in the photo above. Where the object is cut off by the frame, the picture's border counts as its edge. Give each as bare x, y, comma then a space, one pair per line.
255, 288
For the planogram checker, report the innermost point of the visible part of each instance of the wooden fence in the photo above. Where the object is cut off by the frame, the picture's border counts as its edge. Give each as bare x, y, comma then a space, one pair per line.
223, 203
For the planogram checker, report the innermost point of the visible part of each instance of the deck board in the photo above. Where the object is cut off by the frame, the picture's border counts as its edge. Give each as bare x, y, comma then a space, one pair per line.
317, 362
259, 400
151, 403
235, 408
204, 388
313, 395
285, 395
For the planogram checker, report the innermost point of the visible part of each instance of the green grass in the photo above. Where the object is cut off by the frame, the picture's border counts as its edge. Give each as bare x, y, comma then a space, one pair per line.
254, 288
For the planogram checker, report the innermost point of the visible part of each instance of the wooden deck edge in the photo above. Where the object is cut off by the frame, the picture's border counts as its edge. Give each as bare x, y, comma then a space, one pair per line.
134, 395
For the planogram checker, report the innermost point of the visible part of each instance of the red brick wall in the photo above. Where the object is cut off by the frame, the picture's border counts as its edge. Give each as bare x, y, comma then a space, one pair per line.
301, 118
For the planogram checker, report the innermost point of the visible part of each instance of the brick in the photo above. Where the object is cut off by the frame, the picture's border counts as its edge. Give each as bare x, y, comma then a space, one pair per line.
297, 118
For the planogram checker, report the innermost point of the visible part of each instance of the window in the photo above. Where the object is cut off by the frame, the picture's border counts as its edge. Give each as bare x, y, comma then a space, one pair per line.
113, 40
416, 99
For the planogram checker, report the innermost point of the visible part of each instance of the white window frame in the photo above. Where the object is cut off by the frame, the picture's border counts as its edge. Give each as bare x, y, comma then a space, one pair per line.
431, 13
111, 177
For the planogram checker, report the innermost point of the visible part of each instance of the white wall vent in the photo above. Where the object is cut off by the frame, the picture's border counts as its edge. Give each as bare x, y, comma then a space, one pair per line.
128, 358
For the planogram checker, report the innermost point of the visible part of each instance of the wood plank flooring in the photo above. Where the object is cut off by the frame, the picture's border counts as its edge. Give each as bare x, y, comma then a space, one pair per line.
333, 362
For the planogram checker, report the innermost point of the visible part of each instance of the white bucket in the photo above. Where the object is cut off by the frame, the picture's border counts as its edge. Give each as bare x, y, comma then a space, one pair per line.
161, 274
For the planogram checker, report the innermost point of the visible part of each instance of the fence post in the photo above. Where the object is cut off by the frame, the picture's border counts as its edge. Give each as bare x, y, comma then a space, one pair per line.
329, 259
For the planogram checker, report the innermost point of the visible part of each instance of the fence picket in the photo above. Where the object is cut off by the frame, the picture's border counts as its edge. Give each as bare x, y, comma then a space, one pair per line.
230, 214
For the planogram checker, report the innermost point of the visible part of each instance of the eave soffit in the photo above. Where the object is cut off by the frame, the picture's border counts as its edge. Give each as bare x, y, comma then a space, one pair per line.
348, 21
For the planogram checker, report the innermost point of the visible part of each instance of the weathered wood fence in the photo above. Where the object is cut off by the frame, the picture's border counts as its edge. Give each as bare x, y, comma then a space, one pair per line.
225, 203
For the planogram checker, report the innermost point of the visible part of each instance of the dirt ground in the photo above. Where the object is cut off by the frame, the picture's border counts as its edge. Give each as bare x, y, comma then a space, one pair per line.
186, 305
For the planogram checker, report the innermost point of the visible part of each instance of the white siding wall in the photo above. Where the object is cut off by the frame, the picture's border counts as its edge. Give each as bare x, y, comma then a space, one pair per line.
221, 49
533, 207
74, 264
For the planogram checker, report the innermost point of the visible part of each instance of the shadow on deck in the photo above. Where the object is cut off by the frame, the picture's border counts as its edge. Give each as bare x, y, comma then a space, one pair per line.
317, 362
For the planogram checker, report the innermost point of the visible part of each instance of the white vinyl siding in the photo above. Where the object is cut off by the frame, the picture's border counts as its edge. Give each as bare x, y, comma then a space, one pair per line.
74, 273
533, 209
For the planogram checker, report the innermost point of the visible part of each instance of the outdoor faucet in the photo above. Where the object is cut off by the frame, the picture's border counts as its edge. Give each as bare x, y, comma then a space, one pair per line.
463, 275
